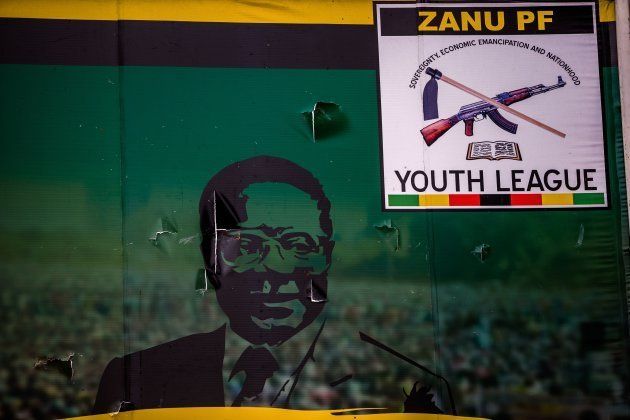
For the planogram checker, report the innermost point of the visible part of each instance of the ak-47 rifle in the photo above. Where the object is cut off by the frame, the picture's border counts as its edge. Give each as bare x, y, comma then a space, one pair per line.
477, 111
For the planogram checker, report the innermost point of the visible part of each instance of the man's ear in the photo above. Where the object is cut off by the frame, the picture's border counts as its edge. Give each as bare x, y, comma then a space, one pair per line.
331, 247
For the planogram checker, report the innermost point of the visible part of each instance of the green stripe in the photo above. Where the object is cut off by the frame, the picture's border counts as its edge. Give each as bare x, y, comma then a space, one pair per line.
403, 200
588, 198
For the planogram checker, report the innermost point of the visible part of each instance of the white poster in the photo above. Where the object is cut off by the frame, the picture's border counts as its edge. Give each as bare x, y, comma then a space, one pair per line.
443, 147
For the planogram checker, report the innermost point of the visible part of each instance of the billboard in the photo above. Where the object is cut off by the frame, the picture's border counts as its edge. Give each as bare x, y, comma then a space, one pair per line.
541, 57
244, 209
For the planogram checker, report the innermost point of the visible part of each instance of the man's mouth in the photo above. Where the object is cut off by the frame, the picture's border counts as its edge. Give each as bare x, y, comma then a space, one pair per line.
274, 298
285, 313
274, 311
266, 324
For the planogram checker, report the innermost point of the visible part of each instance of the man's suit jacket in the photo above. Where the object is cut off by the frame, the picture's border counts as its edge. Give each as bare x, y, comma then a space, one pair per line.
186, 372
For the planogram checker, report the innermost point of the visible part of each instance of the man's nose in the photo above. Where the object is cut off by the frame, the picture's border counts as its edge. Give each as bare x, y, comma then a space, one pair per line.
273, 259
284, 286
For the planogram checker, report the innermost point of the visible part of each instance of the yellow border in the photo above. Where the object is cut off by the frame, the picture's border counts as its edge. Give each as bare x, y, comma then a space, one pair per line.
606, 10
263, 413
357, 12
251, 11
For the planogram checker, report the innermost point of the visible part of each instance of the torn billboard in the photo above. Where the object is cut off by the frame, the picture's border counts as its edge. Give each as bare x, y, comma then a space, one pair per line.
309, 209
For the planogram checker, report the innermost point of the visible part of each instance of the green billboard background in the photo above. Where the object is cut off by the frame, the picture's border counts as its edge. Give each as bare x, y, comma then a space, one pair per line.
95, 159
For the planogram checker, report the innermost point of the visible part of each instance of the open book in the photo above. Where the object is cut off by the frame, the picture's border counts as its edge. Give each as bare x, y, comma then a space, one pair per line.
493, 150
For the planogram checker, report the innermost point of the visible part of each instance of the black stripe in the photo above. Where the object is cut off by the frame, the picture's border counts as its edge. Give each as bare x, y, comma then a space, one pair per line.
194, 44
494, 199
146, 43
608, 44
566, 20
71, 42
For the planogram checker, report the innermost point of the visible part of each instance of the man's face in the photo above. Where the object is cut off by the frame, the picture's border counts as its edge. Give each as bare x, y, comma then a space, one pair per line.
273, 269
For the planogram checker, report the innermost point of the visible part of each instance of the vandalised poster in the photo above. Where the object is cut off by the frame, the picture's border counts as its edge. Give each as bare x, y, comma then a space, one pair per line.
210, 210
445, 147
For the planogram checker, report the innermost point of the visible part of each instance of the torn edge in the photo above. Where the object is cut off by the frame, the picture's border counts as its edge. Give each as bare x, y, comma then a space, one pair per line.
63, 365
201, 281
216, 229
318, 113
481, 252
168, 228
317, 294
313, 120
580, 239
122, 407
387, 227
156, 236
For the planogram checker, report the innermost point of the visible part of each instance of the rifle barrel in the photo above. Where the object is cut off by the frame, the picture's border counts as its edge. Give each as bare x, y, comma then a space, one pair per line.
502, 106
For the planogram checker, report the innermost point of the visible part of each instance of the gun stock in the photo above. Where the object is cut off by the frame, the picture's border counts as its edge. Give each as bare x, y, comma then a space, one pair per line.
434, 131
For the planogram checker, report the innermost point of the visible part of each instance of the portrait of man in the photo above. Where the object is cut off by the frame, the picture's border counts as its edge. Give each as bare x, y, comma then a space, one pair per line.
267, 245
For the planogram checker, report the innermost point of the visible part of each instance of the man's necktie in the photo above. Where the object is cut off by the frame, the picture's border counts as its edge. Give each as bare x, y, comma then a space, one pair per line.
258, 365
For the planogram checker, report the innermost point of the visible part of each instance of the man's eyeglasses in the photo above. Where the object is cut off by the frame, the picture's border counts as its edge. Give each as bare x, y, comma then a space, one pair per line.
244, 248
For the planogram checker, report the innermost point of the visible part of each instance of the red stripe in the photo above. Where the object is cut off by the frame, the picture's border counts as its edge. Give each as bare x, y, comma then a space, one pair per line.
463, 200
526, 199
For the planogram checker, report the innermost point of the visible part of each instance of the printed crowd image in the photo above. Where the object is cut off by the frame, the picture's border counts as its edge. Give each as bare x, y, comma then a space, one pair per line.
310, 209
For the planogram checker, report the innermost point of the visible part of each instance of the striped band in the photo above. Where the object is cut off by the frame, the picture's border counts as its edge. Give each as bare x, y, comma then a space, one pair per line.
492, 200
